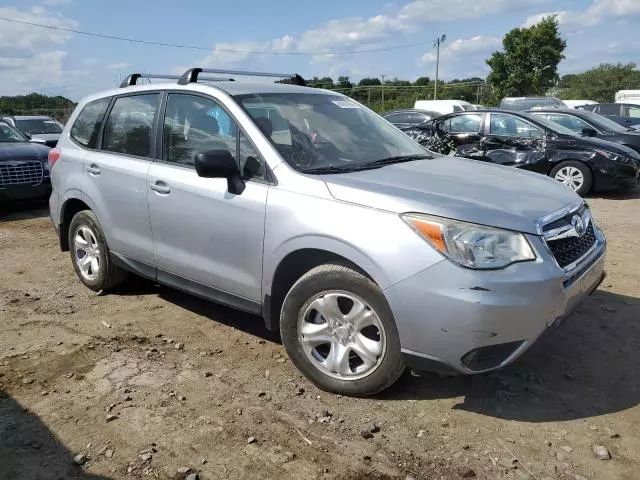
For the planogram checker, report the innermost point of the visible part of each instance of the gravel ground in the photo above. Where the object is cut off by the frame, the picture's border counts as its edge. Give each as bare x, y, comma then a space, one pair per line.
150, 382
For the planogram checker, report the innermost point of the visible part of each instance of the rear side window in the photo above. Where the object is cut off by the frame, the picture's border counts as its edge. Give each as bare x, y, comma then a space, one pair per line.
129, 127
86, 128
609, 109
468, 123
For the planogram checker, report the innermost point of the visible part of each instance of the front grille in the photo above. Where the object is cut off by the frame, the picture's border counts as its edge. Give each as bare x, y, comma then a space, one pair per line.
568, 250
21, 173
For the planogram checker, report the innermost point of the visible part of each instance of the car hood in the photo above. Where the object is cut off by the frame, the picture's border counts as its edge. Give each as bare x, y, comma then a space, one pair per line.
22, 150
457, 188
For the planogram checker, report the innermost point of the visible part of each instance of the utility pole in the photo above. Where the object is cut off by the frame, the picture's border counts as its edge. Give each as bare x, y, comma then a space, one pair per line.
383, 91
436, 43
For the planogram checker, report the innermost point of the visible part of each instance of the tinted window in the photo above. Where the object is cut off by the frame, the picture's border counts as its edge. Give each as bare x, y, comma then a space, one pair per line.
507, 125
9, 134
569, 121
611, 109
469, 123
399, 118
86, 128
130, 125
418, 118
193, 125
521, 104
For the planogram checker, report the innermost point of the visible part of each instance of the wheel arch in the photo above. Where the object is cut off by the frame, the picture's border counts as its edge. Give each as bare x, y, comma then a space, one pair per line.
295, 262
70, 207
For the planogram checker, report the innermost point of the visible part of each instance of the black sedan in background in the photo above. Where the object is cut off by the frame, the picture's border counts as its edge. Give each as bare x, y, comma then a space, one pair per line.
625, 114
591, 124
410, 117
24, 167
534, 143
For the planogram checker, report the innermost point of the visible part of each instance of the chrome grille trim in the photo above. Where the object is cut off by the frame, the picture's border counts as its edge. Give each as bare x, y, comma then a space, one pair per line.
21, 172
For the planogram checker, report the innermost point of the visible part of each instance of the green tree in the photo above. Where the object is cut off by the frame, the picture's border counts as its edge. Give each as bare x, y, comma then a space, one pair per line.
343, 82
369, 82
601, 83
529, 63
422, 81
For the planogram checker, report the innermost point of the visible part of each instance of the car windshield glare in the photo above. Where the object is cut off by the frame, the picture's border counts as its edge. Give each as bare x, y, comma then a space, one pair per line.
555, 127
36, 126
8, 134
317, 130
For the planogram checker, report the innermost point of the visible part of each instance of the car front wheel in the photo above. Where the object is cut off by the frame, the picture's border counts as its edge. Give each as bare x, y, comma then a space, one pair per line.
339, 331
575, 175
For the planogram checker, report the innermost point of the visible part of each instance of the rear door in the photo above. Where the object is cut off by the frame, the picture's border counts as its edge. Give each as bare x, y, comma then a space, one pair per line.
511, 140
116, 175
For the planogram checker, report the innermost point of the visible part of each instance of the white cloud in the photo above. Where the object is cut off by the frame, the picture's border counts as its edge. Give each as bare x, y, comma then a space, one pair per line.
463, 47
34, 55
596, 13
118, 66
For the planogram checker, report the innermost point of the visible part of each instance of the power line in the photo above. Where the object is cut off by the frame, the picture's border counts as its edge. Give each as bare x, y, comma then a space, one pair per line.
209, 49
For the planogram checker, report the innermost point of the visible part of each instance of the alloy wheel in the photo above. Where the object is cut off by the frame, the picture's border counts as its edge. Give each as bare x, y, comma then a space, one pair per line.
571, 177
87, 252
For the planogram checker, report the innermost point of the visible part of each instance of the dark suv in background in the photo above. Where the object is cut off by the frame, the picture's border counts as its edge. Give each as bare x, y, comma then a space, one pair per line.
626, 114
534, 143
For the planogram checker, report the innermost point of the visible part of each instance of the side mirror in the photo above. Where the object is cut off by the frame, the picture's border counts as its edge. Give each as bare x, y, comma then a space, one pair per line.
220, 164
589, 132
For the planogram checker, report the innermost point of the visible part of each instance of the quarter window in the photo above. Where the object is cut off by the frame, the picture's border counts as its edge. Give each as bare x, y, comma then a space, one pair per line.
86, 128
510, 126
633, 112
129, 127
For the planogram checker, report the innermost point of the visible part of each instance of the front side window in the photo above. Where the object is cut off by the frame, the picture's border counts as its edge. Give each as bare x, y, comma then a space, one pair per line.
510, 126
399, 118
610, 109
633, 112
323, 130
572, 123
194, 124
86, 128
129, 128
468, 123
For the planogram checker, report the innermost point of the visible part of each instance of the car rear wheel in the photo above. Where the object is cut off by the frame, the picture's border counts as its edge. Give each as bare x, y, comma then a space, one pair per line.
339, 331
575, 175
90, 253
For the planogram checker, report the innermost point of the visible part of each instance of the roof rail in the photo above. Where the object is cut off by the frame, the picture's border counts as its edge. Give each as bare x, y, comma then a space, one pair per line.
132, 79
191, 75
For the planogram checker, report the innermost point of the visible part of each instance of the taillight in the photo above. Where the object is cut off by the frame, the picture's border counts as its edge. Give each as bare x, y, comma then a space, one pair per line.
54, 155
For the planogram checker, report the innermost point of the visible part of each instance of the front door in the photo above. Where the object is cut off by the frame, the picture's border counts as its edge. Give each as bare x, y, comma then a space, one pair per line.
202, 233
461, 135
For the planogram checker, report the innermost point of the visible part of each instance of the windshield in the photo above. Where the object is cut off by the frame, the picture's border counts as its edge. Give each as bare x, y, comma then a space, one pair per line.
317, 130
555, 127
604, 123
9, 134
530, 103
35, 126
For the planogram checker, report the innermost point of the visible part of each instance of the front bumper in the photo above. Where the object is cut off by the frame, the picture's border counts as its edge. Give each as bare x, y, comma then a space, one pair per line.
460, 320
614, 176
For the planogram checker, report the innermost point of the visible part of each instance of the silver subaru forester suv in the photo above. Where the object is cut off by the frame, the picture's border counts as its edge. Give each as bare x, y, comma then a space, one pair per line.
367, 252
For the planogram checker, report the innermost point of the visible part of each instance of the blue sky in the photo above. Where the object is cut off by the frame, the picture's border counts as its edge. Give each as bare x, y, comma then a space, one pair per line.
57, 62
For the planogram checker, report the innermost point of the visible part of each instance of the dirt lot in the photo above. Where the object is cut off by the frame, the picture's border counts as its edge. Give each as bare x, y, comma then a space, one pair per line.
149, 380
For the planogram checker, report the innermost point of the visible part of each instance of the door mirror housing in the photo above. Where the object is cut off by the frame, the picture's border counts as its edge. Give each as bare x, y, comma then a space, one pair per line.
589, 132
220, 164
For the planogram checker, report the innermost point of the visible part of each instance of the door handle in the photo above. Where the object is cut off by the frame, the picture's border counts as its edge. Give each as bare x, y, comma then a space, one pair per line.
93, 169
160, 187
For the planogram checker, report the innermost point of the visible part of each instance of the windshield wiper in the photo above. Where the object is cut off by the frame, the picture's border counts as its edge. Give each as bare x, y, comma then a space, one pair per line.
392, 160
329, 169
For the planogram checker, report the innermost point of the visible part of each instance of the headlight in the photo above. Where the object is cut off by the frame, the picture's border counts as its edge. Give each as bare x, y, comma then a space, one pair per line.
615, 157
471, 245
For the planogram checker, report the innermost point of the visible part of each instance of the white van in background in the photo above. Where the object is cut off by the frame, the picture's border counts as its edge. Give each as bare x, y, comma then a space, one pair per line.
628, 96
444, 106
578, 103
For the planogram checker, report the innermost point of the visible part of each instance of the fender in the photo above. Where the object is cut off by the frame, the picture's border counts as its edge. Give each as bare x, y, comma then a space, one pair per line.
326, 243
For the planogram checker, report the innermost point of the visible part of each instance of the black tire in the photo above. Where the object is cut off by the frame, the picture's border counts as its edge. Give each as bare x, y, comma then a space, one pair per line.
332, 277
109, 275
586, 175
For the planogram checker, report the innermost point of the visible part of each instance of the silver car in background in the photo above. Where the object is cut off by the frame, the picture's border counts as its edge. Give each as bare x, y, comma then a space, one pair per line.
367, 252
